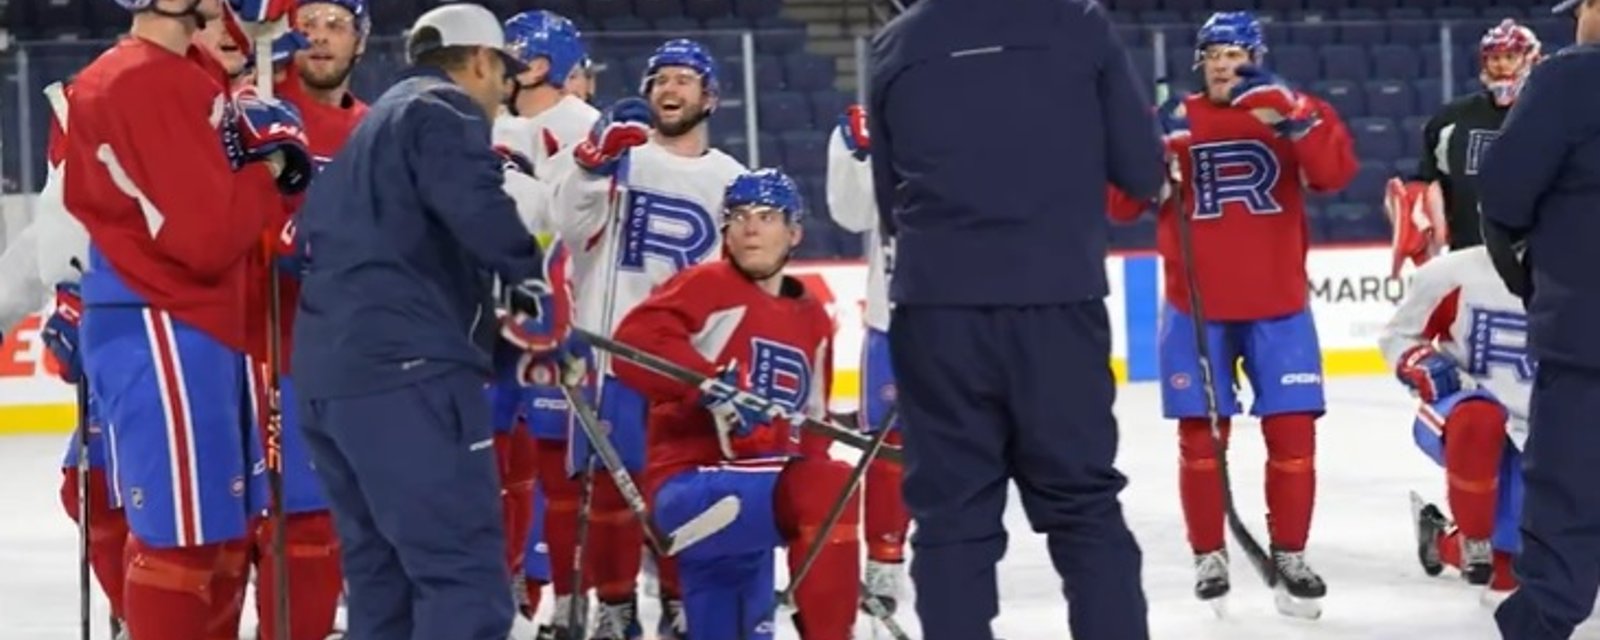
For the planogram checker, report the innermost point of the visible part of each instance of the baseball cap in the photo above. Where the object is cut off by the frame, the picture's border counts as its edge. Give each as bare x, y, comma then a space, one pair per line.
1565, 6
459, 25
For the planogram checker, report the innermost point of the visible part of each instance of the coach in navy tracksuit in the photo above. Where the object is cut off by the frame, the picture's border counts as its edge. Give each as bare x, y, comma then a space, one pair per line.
1541, 193
392, 340
999, 335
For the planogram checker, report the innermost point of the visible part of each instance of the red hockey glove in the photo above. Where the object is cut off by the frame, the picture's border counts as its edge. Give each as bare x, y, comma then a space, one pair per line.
1416, 212
272, 130
1429, 373
621, 127
853, 128
1269, 98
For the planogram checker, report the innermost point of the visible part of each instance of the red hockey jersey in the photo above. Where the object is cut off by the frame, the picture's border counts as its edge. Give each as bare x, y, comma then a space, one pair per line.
1244, 188
327, 127
704, 318
146, 174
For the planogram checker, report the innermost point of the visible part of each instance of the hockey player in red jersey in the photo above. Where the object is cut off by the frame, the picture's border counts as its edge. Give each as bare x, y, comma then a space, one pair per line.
313, 75
742, 321
1248, 148
174, 179
1459, 342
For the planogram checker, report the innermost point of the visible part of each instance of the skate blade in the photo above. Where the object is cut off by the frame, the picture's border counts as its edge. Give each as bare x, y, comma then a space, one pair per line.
1219, 606
1302, 608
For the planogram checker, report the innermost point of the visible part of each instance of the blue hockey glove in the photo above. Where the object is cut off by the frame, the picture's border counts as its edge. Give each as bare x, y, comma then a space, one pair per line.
1429, 373
1269, 98
272, 130
285, 46
853, 128
719, 395
621, 127
60, 333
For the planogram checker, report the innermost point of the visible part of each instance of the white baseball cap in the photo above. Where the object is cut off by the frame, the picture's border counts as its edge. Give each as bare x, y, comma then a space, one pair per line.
460, 25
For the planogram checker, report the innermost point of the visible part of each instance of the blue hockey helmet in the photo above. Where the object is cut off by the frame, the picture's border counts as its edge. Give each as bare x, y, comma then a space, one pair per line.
764, 188
681, 53
535, 34
1234, 28
357, 8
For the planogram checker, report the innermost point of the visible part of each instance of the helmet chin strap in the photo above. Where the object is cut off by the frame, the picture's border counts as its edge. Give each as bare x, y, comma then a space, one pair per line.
517, 87
192, 12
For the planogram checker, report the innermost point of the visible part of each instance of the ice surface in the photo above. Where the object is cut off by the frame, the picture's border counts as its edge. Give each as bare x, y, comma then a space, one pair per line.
1361, 539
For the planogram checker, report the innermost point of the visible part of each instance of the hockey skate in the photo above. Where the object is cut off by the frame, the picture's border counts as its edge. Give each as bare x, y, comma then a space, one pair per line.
617, 621
883, 583
673, 624
1211, 580
1477, 558
1430, 524
559, 627
1299, 592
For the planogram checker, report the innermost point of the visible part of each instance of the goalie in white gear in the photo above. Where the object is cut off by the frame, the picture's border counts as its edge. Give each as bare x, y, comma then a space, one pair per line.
850, 199
642, 204
1459, 341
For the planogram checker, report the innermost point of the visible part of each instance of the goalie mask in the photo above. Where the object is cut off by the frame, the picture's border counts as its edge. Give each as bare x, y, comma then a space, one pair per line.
1506, 54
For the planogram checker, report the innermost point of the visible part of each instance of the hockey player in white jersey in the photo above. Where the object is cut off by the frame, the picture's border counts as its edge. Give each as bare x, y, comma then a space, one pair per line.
1459, 341
548, 110
641, 206
850, 199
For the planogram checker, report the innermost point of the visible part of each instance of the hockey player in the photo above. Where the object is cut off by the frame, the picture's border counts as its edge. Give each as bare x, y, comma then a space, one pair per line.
547, 110
316, 80
165, 328
636, 211
1248, 149
746, 323
1454, 140
1459, 341
851, 202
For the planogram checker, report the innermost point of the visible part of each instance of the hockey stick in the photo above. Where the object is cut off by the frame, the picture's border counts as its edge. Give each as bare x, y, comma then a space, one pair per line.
1263, 564
83, 507
746, 399
664, 543
882, 615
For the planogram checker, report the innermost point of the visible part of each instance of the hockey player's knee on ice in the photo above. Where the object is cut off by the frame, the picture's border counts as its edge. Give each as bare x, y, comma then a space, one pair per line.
311, 548
1291, 477
108, 532
1200, 482
183, 593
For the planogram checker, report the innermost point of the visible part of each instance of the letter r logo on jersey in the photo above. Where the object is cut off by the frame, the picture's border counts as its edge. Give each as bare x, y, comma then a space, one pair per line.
1499, 338
780, 373
665, 227
1241, 171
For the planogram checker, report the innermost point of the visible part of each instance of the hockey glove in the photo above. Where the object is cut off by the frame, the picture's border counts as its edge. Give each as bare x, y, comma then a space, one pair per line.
1416, 212
719, 395
281, 248
271, 130
1269, 98
510, 160
1429, 373
621, 127
285, 46
60, 333
853, 128
257, 11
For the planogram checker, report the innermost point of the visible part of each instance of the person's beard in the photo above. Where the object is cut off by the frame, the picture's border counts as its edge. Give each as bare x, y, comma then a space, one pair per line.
684, 125
328, 81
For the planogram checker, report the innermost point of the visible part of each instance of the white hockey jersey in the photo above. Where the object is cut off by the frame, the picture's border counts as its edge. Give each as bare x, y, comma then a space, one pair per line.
540, 138
50, 250
667, 218
1457, 303
850, 200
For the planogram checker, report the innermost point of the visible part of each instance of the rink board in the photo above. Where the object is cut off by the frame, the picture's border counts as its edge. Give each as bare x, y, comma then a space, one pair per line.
1351, 292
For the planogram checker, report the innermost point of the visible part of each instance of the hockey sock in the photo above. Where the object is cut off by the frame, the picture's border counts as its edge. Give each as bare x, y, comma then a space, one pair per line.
887, 519
826, 596
1200, 483
1504, 578
667, 575
229, 581
1474, 435
1291, 477
560, 512
534, 588
108, 532
516, 483
168, 591
1449, 542
617, 538
315, 579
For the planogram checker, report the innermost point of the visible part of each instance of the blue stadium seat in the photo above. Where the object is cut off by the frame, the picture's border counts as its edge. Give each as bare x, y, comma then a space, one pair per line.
1395, 61
817, 242
604, 10
1345, 96
729, 121
1129, 6
677, 27
805, 152
769, 72
569, 8
54, 19
783, 111
1410, 26
1375, 138
12, 155
727, 23
1295, 61
808, 71
1313, 32
1316, 223
1230, 5
1345, 62
1133, 36
1454, 12
1432, 60
707, 9
1362, 26
1406, 168
1283, 6
1184, 5
1430, 94
780, 36
1411, 128
1367, 187
105, 19
827, 105
1390, 99
378, 70
653, 10
1355, 222
757, 8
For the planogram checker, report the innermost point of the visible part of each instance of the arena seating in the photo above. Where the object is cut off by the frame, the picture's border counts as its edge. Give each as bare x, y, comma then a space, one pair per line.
1381, 66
